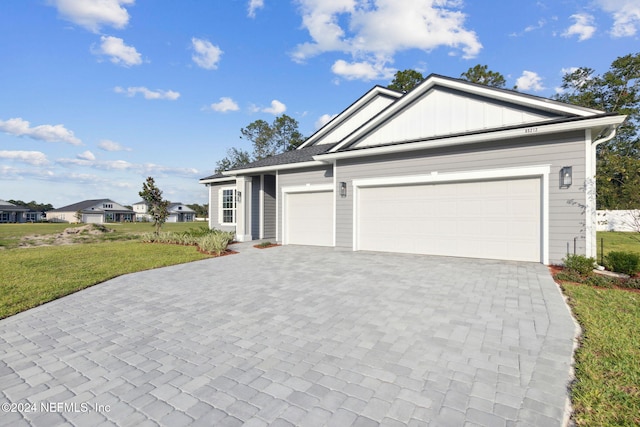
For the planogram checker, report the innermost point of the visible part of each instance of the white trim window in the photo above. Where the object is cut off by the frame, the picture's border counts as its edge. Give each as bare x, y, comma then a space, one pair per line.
227, 206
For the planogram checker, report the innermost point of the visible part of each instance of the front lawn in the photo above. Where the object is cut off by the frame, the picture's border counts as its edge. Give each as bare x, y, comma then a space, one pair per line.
607, 387
33, 276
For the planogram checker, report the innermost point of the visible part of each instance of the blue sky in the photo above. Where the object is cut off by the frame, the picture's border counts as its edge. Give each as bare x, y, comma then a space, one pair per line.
96, 95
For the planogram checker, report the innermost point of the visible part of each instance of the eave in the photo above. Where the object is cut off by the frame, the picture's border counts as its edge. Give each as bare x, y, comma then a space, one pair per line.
535, 129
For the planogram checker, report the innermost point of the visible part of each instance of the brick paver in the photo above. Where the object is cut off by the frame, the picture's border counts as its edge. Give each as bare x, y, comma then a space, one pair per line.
297, 336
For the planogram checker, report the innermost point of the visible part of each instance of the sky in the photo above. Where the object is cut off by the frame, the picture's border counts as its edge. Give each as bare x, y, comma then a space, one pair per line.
96, 95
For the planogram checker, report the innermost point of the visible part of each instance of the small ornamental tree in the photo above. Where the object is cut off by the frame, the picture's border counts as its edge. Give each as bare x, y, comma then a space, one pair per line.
158, 208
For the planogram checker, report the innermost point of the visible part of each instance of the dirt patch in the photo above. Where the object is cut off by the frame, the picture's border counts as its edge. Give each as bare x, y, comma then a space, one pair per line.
70, 236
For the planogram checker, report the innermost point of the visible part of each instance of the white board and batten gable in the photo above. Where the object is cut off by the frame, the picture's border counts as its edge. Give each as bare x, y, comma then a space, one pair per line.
357, 114
441, 107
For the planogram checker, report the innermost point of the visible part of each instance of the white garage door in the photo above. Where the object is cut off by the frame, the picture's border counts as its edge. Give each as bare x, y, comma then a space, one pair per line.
488, 219
309, 218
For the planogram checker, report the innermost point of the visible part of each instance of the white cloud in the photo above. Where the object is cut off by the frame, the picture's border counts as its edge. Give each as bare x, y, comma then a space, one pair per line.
92, 14
541, 23
374, 31
626, 16
361, 70
276, 108
49, 133
530, 81
147, 93
568, 70
583, 27
206, 54
120, 53
324, 119
108, 145
225, 104
253, 6
142, 169
35, 158
87, 155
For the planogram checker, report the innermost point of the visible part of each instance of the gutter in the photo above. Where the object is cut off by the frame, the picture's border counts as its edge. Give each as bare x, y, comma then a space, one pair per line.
612, 134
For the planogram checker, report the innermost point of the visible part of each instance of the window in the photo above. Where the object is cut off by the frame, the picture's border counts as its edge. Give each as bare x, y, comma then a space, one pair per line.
107, 205
228, 206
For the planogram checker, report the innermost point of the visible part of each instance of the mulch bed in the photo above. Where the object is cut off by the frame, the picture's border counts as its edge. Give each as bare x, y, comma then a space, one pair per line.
555, 269
259, 246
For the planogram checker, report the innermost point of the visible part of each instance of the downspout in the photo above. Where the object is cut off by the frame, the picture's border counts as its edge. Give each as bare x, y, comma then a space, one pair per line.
607, 134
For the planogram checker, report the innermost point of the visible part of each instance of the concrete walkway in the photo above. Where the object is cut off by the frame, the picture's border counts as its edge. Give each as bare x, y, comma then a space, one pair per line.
296, 336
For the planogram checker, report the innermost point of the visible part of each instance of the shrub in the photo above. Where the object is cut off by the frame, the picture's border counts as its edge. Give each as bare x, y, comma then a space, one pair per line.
569, 276
215, 243
579, 264
623, 262
601, 281
633, 283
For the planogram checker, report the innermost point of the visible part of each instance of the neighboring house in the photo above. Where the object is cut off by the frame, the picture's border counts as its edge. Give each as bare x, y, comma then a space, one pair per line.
177, 212
10, 212
97, 211
450, 168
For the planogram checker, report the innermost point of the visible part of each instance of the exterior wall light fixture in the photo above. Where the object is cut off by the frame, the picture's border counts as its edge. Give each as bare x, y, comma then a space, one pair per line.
238, 196
565, 177
343, 189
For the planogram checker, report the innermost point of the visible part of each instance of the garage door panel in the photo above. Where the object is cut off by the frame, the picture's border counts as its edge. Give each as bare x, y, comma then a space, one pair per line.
309, 218
488, 219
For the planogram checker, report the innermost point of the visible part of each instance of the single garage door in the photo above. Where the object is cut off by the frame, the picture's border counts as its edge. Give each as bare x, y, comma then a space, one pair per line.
309, 218
487, 219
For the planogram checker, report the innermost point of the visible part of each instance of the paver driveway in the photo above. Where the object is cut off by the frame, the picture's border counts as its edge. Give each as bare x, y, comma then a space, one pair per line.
296, 336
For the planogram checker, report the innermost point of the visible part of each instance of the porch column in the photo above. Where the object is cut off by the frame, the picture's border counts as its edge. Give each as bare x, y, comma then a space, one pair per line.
243, 209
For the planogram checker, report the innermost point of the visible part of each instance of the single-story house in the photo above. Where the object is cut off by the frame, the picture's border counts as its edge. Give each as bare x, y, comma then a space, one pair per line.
450, 168
10, 212
178, 212
97, 211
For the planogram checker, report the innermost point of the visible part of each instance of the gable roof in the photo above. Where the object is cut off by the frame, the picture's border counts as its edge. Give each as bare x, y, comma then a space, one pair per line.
84, 205
363, 109
12, 207
361, 119
536, 107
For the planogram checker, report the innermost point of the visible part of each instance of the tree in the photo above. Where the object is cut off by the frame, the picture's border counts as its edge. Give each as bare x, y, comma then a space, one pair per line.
404, 81
158, 207
201, 210
235, 158
267, 140
33, 205
481, 75
618, 160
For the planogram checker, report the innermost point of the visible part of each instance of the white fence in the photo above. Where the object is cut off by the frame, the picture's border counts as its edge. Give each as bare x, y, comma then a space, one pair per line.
628, 220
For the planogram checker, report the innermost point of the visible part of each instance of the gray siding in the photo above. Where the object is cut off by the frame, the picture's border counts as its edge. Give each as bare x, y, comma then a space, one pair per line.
288, 178
566, 206
214, 207
269, 206
255, 207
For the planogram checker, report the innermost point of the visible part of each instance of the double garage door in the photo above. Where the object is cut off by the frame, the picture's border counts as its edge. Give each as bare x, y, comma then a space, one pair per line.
487, 219
496, 219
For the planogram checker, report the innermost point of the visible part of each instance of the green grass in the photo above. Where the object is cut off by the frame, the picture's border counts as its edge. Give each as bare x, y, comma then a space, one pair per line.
34, 276
618, 241
607, 388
